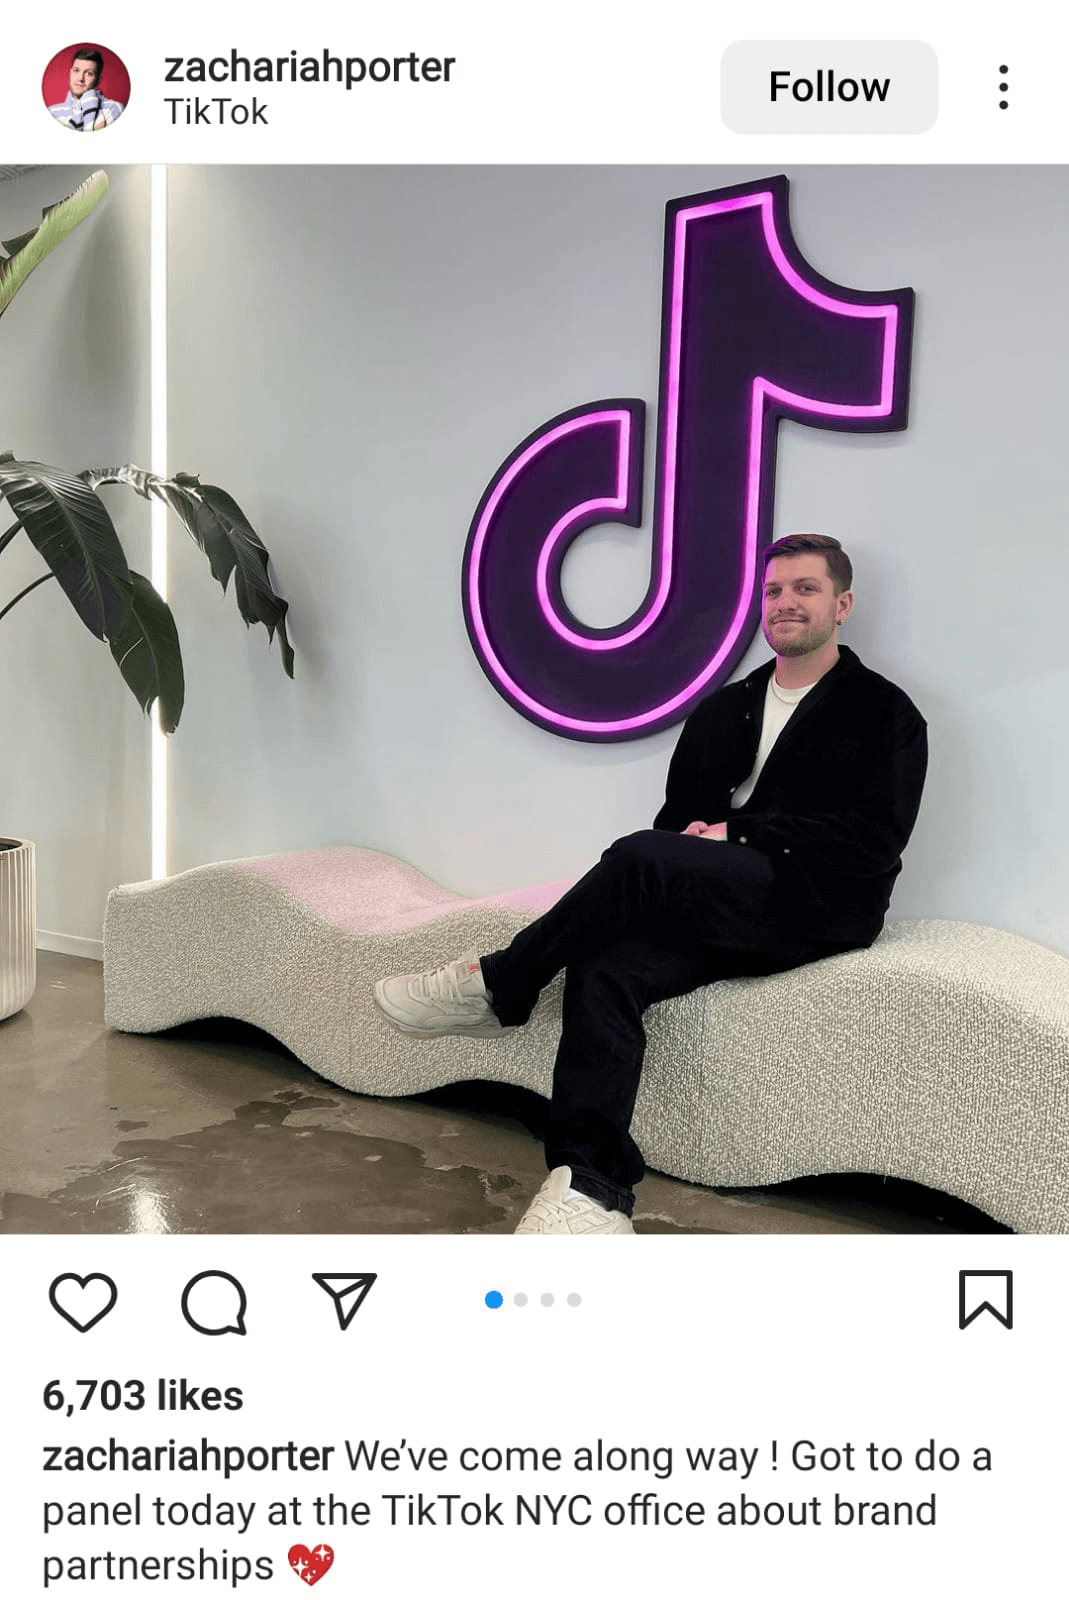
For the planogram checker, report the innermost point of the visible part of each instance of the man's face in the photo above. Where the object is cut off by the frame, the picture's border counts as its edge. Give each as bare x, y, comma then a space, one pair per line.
83, 76
801, 608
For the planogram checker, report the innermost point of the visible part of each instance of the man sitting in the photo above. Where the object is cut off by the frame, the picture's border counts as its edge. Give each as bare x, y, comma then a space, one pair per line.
814, 767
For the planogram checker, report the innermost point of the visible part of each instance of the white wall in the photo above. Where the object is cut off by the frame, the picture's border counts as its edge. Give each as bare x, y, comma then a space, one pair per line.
73, 392
353, 352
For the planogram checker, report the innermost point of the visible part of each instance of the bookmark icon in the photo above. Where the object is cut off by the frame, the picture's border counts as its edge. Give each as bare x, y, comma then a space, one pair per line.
985, 1291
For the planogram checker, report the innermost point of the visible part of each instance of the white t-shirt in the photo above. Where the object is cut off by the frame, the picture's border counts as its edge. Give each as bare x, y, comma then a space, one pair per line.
780, 704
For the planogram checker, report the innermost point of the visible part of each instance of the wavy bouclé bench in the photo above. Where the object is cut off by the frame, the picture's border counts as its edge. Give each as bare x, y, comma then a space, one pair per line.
940, 1055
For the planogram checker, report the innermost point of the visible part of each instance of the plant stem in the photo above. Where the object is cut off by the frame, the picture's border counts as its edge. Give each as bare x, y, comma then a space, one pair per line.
7, 536
24, 592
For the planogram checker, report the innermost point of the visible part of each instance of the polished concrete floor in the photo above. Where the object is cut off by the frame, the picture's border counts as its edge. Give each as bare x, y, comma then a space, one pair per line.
216, 1128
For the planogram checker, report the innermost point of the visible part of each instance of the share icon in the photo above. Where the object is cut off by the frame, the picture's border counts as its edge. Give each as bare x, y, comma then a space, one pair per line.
348, 1290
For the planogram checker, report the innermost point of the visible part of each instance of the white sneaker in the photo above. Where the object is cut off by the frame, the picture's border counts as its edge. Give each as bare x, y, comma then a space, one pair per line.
451, 999
550, 1212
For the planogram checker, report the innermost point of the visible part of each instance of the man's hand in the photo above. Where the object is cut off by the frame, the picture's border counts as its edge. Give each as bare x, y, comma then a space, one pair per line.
708, 830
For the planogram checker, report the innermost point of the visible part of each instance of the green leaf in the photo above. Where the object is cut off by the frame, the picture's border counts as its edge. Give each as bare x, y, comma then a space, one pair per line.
222, 530
69, 525
149, 656
25, 252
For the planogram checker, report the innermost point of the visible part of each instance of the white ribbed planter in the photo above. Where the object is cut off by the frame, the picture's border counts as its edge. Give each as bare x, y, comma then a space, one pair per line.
18, 924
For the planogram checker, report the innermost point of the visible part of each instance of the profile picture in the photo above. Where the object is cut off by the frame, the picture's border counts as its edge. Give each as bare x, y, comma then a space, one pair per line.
86, 87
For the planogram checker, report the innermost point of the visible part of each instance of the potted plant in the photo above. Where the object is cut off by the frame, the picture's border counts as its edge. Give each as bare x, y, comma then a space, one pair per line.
60, 511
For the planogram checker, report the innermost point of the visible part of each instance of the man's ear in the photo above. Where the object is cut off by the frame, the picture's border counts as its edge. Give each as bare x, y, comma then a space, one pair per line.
845, 605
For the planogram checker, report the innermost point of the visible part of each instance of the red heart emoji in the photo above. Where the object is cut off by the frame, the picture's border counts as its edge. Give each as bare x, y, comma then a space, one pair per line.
311, 1565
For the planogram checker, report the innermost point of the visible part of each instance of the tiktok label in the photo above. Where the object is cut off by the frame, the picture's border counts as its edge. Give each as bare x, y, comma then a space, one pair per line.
750, 334
192, 111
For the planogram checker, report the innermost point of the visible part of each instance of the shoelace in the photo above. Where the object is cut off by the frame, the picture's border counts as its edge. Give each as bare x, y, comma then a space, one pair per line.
434, 987
542, 1211
550, 1212
544, 1206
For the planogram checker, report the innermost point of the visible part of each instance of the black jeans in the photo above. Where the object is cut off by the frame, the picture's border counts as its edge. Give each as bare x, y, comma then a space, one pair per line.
661, 914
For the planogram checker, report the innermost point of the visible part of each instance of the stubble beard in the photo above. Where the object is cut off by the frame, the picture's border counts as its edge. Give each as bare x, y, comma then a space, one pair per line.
813, 638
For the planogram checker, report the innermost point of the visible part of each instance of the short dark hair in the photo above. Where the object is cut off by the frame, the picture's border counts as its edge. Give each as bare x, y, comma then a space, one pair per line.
89, 54
842, 573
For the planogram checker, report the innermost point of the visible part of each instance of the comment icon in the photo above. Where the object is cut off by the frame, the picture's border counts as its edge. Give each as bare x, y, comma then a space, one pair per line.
214, 1303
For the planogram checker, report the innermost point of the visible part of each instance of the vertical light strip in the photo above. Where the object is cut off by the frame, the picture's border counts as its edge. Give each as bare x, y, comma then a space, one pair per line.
158, 465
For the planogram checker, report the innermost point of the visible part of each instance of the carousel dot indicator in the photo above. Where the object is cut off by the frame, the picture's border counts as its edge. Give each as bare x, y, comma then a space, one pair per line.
495, 1299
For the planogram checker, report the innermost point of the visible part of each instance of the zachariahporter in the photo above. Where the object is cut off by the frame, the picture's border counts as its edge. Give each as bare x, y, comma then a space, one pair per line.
322, 68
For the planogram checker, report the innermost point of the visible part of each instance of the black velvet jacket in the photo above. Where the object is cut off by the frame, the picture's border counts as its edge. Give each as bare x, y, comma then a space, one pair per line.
834, 805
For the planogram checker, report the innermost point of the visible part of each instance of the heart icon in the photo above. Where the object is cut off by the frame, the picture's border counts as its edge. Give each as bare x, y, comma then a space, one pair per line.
83, 1301
311, 1565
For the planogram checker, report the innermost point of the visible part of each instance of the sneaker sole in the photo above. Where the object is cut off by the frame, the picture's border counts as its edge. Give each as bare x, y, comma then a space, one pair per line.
588, 1233
478, 1030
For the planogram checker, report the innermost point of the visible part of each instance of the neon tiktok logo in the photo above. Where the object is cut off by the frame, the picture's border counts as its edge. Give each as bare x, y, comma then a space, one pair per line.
749, 334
